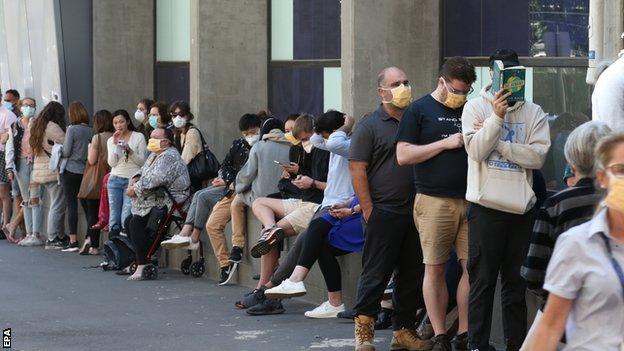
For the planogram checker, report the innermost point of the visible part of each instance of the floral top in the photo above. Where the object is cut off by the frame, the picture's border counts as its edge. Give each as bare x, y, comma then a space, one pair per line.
164, 171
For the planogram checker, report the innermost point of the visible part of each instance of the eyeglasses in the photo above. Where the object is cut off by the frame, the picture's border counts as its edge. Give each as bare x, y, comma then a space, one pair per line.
616, 169
457, 91
177, 114
398, 83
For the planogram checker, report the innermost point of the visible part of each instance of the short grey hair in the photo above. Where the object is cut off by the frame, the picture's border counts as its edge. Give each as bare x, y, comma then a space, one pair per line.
580, 146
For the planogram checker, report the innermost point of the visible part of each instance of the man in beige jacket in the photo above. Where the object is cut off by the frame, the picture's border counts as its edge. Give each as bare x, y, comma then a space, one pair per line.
505, 142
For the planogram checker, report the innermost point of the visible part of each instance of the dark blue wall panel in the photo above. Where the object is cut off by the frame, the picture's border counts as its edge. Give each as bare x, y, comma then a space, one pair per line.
295, 90
462, 28
316, 26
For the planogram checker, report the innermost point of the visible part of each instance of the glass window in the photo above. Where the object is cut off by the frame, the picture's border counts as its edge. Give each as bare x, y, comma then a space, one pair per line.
530, 27
173, 30
304, 72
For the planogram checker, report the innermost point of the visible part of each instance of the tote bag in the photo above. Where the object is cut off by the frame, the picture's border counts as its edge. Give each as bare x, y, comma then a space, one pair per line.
92, 178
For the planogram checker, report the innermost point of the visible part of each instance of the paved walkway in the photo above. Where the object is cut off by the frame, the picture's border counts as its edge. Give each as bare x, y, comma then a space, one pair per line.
54, 301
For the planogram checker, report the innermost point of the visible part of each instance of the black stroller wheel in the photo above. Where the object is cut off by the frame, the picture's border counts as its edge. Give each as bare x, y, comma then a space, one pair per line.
186, 265
150, 272
198, 269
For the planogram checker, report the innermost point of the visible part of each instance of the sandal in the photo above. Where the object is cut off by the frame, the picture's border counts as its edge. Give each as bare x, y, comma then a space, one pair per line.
267, 241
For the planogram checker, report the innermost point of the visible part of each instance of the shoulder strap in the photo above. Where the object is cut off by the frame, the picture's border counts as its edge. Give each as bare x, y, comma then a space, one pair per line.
201, 136
616, 265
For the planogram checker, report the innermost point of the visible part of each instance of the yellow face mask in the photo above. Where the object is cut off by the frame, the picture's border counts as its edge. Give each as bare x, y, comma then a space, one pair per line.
401, 96
453, 100
615, 198
153, 145
291, 139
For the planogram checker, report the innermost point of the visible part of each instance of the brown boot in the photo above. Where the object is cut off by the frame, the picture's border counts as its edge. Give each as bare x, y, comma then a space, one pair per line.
406, 339
364, 333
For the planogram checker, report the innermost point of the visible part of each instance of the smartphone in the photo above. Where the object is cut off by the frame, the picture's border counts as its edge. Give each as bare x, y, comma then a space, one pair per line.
281, 164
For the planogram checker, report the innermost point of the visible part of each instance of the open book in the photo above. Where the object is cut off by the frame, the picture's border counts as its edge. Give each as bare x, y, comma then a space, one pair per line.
511, 79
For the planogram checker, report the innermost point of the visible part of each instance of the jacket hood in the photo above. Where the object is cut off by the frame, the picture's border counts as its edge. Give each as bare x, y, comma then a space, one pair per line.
277, 136
485, 93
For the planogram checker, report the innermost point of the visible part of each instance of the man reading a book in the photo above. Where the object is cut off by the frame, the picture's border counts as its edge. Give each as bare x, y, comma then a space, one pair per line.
501, 203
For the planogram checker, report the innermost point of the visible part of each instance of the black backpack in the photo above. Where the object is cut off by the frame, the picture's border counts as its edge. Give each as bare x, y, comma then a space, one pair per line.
118, 253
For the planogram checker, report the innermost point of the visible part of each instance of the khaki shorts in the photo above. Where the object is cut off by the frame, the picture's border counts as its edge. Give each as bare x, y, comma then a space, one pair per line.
442, 224
299, 213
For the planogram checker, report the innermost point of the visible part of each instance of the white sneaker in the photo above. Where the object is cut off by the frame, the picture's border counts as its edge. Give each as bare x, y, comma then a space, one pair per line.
35, 241
26, 240
325, 310
286, 290
176, 241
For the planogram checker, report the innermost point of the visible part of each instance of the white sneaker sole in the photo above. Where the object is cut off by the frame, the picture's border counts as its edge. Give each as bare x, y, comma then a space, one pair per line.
175, 245
322, 316
284, 295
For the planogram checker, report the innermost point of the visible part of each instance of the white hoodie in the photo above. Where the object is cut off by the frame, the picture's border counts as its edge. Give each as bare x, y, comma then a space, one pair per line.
502, 154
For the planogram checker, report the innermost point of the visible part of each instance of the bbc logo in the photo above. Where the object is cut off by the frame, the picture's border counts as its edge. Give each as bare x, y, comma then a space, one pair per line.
6, 338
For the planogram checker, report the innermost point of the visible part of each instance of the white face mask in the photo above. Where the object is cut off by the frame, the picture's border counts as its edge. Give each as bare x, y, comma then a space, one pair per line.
307, 146
252, 139
139, 115
179, 122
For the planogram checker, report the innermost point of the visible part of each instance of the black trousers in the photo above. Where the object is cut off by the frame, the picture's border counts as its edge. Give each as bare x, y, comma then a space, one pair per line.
91, 208
140, 236
71, 186
498, 242
316, 247
391, 244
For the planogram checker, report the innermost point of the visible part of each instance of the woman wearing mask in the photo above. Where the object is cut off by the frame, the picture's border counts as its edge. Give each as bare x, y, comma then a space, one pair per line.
159, 115
141, 116
102, 131
126, 155
585, 276
188, 139
75, 152
19, 168
45, 131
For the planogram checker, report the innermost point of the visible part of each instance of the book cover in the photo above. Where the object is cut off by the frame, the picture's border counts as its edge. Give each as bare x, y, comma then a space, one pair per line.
512, 79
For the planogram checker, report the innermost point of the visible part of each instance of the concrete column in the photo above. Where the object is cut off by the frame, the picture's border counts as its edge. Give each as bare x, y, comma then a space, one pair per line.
123, 53
377, 34
228, 68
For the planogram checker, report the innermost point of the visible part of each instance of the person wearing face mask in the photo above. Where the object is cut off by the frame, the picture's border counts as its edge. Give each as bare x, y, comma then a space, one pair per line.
430, 138
188, 139
163, 170
11, 99
141, 117
282, 218
19, 167
585, 276
504, 145
216, 200
158, 116
7, 119
386, 192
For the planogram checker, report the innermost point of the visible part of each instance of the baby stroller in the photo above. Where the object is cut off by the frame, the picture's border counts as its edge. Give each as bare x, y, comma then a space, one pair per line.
176, 214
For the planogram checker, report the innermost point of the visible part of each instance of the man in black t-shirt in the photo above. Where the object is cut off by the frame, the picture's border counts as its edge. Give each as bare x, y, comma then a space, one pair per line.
430, 138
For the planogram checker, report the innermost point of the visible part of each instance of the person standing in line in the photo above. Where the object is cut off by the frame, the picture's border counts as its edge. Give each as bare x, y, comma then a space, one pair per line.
7, 118
45, 131
585, 276
75, 152
141, 117
126, 155
386, 193
608, 96
502, 154
430, 139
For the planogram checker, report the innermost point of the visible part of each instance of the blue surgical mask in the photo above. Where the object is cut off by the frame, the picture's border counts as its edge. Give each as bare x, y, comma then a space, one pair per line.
153, 121
28, 111
8, 105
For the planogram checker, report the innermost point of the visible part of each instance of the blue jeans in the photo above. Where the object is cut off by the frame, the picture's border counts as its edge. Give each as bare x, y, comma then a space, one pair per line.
33, 215
119, 203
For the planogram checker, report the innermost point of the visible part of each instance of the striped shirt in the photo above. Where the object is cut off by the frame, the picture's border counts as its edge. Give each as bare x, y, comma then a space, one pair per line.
564, 210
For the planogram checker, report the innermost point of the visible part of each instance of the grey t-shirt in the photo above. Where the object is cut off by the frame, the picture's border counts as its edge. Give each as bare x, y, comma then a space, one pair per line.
75, 147
391, 186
